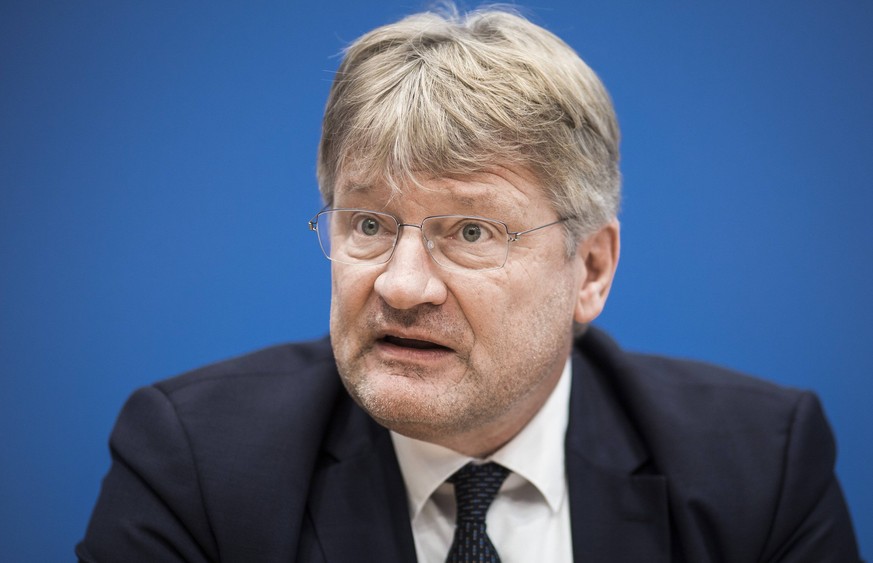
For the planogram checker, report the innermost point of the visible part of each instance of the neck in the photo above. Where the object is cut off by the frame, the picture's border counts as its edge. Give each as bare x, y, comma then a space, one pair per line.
484, 439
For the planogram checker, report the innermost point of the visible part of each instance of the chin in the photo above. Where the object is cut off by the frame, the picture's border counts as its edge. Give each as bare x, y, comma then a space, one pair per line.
388, 399
423, 414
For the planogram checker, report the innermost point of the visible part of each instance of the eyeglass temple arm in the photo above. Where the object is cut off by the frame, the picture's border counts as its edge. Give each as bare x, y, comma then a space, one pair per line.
515, 236
314, 221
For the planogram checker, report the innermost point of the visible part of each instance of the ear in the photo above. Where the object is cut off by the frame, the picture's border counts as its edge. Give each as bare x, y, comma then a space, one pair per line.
598, 257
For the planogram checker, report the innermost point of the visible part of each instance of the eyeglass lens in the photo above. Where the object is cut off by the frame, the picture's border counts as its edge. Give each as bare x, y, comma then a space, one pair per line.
367, 237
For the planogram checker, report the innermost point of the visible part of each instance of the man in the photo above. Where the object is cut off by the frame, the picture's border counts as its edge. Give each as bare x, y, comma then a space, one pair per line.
463, 409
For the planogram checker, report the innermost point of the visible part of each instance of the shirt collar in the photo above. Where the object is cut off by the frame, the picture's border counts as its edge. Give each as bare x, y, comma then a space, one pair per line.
426, 466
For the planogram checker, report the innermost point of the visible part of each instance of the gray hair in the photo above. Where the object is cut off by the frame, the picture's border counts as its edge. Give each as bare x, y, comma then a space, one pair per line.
438, 95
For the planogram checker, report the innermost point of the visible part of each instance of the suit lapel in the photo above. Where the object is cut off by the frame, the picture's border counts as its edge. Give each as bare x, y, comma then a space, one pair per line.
617, 517
618, 507
357, 501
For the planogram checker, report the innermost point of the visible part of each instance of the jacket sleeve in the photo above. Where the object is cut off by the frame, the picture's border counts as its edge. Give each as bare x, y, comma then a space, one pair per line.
150, 506
811, 522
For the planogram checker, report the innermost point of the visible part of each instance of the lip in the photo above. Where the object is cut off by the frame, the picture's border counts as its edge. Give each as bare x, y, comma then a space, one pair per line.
411, 346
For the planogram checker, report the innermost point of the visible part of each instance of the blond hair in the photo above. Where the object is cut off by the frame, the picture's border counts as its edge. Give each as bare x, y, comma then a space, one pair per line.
437, 95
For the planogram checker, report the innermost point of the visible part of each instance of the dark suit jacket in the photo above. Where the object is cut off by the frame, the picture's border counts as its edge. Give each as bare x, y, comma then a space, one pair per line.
266, 458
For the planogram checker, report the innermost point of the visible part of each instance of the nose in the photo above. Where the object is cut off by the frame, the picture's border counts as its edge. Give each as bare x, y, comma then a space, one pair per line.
411, 277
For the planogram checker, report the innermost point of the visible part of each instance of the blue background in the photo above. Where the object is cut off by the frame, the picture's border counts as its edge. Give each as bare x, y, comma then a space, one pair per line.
157, 172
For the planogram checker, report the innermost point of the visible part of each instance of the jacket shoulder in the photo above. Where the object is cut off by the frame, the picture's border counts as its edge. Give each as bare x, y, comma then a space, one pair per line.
684, 390
279, 361
741, 456
267, 401
215, 460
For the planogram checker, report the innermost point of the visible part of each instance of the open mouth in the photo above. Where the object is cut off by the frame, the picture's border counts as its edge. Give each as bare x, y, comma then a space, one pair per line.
412, 343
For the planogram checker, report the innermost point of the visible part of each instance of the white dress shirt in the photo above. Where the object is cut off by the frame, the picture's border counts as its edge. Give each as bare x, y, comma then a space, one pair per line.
530, 517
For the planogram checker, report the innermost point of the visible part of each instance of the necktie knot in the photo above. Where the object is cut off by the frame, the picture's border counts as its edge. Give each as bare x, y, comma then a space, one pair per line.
475, 489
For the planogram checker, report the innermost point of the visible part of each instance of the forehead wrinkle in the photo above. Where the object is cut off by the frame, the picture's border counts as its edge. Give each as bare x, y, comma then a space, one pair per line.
361, 189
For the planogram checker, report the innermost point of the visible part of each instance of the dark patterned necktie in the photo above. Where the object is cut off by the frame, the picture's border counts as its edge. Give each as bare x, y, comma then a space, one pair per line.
475, 489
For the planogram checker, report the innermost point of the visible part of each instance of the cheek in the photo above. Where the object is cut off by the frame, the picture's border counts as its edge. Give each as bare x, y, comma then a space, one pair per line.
350, 290
486, 304
540, 299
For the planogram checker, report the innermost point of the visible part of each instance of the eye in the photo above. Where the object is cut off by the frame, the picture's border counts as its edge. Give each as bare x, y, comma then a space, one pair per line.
368, 226
471, 232
474, 232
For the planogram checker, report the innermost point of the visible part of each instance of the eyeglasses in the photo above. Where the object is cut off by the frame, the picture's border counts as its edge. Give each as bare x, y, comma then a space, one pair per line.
455, 242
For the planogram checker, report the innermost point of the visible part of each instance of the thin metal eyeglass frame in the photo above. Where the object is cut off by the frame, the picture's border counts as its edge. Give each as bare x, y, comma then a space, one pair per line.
512, 236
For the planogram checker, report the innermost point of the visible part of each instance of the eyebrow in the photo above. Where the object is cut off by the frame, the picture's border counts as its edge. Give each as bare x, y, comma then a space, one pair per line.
355, 187
466, 201
473, 205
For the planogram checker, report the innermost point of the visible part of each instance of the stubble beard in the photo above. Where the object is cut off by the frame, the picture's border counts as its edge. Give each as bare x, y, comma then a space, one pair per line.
427, 406
433, 406
409, 399
426, 411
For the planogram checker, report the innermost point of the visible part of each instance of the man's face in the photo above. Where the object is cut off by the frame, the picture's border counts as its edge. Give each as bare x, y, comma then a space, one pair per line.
456, 357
